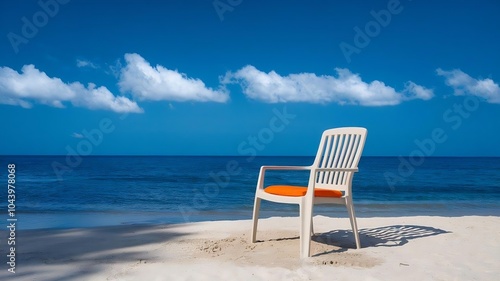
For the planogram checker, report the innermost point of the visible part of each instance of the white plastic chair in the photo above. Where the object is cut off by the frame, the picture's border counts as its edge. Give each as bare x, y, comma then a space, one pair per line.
330, 182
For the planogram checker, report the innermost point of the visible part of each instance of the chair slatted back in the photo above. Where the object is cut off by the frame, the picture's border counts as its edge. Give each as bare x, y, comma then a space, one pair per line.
339, 148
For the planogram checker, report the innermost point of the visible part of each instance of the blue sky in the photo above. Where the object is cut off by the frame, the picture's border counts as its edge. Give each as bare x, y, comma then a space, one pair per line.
240, 77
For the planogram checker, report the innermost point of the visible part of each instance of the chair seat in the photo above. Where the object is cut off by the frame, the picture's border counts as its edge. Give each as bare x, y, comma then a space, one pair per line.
296, 191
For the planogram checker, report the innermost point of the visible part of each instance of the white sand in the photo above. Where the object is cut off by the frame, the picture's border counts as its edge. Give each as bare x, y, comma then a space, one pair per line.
398, 248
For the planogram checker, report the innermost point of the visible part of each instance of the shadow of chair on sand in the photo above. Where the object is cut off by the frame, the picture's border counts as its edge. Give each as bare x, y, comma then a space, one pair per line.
385, 236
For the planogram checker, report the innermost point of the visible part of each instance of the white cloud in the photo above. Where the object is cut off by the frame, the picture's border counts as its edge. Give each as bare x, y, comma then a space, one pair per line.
33, 85
464, 84
159, 83
85, 63
77, 136
347, 88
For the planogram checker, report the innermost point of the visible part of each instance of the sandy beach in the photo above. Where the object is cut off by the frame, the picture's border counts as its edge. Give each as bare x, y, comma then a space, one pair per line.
395, 248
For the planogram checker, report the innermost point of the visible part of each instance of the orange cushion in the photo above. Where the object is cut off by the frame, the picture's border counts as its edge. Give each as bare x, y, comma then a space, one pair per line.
290, 190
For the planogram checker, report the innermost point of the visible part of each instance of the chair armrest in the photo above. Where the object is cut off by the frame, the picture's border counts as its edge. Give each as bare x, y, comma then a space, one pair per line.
296, 168
263, 169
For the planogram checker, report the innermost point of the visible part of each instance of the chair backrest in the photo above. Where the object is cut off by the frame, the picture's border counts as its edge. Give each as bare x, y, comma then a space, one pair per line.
339, 148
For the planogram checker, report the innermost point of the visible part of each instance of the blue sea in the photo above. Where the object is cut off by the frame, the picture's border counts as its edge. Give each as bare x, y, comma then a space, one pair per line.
69, 191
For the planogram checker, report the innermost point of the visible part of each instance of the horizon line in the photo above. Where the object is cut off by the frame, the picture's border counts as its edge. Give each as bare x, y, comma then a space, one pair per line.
207, 155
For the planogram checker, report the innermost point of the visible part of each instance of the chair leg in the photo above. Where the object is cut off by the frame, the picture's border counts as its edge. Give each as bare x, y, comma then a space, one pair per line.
305, 229
312, 225
354, 225
256, 208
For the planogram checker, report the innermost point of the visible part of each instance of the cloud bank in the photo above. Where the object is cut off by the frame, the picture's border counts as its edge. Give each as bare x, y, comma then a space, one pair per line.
346, 88
463, 84
160, 83
33, 85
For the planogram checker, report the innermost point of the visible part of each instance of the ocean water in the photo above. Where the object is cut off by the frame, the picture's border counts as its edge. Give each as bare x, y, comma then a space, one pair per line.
65, 192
